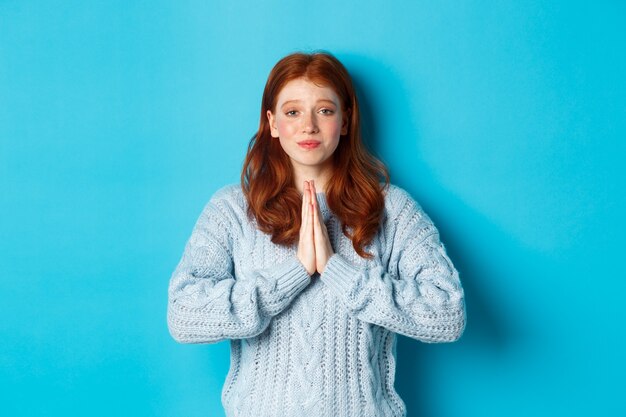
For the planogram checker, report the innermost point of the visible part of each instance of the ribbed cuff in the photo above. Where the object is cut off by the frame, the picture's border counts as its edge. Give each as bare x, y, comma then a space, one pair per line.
340, 275
291, 278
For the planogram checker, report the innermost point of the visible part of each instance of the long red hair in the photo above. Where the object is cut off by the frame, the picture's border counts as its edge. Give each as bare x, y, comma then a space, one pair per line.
354, 192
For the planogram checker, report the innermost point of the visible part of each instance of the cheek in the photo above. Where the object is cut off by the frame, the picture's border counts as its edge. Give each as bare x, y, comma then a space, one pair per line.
285, 127
333, 127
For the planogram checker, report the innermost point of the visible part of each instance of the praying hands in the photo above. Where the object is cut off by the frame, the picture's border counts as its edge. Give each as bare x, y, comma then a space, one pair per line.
314, 248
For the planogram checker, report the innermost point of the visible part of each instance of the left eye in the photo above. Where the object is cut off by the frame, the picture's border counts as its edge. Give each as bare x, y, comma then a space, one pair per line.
326, 111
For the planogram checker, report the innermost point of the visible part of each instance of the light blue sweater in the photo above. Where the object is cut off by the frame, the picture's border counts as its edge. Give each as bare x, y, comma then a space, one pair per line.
321, 345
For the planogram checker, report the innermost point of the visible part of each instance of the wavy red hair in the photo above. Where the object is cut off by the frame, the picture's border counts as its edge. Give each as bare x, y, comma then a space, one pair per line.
354, 192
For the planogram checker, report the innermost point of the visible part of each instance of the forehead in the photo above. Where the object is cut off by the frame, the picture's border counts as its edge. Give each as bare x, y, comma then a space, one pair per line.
302, 89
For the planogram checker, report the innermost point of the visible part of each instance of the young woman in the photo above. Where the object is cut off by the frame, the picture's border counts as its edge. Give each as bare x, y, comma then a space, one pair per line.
313, 263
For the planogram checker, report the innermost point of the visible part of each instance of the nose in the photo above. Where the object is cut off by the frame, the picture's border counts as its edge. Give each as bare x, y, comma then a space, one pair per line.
309, 123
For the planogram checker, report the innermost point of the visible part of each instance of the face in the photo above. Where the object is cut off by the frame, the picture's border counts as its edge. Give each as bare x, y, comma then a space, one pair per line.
308, 121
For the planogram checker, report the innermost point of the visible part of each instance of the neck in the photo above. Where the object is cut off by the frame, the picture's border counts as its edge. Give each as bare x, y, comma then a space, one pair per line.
319, 175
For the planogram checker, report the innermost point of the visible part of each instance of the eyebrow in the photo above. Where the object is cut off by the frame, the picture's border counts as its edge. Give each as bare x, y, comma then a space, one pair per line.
318, 101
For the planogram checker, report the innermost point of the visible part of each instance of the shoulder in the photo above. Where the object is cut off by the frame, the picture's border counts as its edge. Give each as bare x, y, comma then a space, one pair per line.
227, 202
402, 208
398, 199
231, 194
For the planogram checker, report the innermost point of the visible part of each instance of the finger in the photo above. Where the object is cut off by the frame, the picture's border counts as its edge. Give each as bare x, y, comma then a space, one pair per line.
318, 232
312, 200
317, 206
313, 195
315, 217
319, 227
305, 201
313, 208
309, 211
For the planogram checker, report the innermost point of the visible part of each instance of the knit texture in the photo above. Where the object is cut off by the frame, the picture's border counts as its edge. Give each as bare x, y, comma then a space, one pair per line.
320, 345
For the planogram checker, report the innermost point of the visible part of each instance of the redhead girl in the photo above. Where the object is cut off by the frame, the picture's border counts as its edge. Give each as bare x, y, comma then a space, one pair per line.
313, 263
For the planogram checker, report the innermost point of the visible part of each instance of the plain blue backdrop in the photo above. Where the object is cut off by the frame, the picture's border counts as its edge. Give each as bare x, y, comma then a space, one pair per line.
504, 119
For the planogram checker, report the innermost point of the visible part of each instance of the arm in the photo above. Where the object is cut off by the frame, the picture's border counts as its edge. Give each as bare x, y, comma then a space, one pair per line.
207, 303
418, 294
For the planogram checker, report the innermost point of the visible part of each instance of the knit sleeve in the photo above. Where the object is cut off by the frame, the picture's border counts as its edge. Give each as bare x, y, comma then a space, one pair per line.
417, 294
209, 302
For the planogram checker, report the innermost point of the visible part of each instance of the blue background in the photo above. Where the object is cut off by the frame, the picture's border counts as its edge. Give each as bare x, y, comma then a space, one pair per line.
119, 119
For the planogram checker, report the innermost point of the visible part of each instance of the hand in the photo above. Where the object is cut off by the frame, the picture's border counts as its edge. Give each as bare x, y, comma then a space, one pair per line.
323, 248
306, 244
314, 248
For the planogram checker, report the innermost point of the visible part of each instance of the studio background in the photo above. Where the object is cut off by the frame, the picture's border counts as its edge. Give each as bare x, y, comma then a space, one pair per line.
119, 119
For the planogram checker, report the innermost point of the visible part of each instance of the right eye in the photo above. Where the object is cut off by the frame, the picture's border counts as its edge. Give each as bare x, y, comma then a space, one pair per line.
291, 112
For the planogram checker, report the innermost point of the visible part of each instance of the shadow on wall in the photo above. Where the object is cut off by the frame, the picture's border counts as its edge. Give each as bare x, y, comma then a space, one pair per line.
489, 333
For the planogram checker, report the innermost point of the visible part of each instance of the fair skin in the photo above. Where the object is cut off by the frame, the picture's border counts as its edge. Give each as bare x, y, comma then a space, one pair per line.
314, 248
309, 112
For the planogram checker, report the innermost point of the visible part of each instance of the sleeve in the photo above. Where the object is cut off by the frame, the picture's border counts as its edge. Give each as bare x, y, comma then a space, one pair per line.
207, 303
418, 294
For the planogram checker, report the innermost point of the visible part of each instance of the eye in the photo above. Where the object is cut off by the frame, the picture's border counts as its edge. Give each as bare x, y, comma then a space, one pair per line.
327, 111
291, 112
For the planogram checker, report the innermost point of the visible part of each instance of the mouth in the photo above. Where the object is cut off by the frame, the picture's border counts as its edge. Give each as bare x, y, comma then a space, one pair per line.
309, 144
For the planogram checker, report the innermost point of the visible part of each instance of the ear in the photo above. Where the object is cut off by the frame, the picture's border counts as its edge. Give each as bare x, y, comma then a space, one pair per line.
345, 121
272, 120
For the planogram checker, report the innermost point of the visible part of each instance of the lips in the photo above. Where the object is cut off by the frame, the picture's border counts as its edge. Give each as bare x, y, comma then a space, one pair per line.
309, 144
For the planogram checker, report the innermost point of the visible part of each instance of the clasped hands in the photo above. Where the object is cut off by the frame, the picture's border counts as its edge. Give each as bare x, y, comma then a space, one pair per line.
314, 248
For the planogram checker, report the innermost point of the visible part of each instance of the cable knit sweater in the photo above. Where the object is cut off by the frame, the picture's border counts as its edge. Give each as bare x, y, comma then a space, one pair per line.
321, 345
